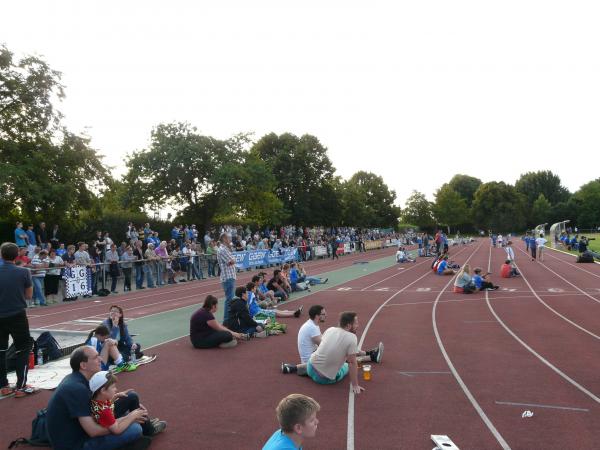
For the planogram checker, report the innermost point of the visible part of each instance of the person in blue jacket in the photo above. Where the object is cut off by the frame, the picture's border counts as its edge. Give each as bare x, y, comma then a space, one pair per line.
120, 333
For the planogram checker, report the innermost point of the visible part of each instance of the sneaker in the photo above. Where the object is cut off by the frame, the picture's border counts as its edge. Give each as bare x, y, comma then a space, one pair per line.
260, 335
159, 426
119, 368
496, 288
325, 280
25, 391
377, 353
288, 368
7, 390
130, 367
229, 344
298, 311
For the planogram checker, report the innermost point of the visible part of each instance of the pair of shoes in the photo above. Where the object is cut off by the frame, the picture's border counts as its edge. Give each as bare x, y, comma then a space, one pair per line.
158, 425
130, 367
288, 368
377, 353
7, 390
119, 368
260, 334
298, 311
25, 391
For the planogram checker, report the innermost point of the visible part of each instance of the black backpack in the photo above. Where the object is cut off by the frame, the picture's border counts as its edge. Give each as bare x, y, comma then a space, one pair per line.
50, 348
39, 432
585, 257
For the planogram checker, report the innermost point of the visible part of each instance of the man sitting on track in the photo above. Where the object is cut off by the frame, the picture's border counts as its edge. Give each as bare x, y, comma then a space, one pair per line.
443, 269
337, 355
403, 256
70, 422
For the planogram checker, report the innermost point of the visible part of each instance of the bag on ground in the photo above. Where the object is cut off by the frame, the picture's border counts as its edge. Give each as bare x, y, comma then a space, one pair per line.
50, 348
39, 432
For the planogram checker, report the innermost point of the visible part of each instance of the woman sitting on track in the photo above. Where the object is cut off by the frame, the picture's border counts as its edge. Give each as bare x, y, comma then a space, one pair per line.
206, 332
463, 284
107, 349
120, 333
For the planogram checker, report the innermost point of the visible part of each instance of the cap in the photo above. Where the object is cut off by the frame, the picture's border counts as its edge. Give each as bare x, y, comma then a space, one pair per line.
98, 380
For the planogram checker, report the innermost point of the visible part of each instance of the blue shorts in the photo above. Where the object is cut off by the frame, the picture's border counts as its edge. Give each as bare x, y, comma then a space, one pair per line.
322, 380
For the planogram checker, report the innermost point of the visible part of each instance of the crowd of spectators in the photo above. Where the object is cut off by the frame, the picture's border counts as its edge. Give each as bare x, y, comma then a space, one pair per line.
143, 259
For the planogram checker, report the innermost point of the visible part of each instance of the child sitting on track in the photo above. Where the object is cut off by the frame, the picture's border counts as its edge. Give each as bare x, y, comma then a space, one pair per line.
297, 417
443, 269
107, 349
481, 282
508, 270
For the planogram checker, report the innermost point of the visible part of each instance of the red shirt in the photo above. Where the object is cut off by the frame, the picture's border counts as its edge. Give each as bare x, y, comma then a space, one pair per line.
505, 270
103, 412
25, 261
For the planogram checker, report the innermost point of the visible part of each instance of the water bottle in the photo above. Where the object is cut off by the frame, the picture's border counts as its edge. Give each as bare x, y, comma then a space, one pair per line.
40, 357
132, 357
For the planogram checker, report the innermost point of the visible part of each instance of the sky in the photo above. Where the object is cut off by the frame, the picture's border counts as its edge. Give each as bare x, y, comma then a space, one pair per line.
412, 91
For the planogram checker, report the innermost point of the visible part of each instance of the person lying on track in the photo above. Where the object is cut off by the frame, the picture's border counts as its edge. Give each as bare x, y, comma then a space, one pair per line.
337, 355
207, 332
297, 417
303, 276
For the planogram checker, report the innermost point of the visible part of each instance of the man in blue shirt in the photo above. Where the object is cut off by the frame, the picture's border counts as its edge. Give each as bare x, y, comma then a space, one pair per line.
20, 236
297, 417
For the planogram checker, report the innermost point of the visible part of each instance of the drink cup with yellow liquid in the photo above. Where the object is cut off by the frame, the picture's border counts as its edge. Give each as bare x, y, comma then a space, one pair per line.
366, 372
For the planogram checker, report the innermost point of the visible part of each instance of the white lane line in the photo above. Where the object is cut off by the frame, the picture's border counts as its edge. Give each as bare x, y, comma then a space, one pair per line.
566, 319
568, 282
533, 352
350, 424
412, 374
411, 268
535, 405
458, 378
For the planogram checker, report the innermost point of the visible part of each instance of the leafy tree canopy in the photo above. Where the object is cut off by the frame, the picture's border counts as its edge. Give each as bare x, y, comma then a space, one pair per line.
532, 184
465, 186
450, 208
418, 210
499, 207
368, 202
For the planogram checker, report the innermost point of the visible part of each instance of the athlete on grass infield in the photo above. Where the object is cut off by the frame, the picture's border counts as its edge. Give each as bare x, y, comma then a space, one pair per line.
337, 355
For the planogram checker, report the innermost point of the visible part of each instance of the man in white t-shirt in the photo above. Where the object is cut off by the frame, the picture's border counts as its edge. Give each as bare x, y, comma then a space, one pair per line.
540, 242
309, 335
337, 355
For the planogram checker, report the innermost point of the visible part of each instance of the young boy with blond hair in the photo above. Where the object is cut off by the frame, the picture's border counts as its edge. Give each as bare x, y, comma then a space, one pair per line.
297, 417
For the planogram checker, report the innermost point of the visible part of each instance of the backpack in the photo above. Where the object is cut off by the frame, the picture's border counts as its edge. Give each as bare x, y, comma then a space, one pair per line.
39, 432
585, 257
50, 348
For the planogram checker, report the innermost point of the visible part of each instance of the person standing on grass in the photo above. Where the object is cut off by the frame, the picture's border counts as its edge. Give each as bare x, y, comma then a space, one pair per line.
540, 243
16, 287
337, 355
297, 417
228, 271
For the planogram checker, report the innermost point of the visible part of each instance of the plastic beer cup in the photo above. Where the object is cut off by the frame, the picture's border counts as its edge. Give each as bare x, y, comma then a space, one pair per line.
366, 372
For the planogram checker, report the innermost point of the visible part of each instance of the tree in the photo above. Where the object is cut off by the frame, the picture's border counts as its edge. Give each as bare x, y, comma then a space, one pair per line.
368, 202
418, 211
587, 201
450, 208
499, 207
203, 176
49, 180
465, 186
532, 184
27, 90
301, 168
541, 210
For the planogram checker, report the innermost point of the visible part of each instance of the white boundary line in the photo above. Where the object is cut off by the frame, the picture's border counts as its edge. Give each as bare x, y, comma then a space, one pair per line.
350, 426
566, 319
533, 352
458, 378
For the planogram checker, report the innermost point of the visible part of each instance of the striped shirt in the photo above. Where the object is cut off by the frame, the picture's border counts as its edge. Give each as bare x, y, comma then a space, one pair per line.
224, 256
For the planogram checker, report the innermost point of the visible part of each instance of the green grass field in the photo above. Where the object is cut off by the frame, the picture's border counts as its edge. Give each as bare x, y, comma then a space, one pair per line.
593, 245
